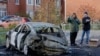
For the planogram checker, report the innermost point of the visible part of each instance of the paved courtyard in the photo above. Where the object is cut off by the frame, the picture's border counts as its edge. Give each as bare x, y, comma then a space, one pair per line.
93, 34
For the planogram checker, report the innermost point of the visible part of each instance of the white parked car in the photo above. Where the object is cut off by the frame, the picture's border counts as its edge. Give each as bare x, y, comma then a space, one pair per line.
43, 38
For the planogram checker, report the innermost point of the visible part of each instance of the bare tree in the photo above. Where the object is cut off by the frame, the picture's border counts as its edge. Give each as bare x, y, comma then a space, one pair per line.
47, 12
90, 9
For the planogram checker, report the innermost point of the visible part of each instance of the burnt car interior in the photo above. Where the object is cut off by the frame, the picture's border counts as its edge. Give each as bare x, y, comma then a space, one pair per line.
25, 29
17, 28
50, 31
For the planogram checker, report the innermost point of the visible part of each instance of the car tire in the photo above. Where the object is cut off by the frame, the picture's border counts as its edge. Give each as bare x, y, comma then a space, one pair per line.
25, 50
7, 43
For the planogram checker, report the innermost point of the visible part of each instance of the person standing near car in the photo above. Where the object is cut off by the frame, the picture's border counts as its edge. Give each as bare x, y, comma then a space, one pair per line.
74, 21
86, 27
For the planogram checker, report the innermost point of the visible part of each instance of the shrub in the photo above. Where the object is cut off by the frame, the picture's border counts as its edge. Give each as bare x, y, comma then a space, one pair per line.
11, 26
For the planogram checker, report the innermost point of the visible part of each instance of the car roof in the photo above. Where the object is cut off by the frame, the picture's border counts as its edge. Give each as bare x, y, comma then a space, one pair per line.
7, 16
40, 24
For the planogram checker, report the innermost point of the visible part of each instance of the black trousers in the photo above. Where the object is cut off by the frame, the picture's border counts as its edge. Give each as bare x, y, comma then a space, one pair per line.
73, 36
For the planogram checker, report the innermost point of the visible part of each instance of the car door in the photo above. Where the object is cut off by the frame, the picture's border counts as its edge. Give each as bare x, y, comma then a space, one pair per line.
22, 36
14, 34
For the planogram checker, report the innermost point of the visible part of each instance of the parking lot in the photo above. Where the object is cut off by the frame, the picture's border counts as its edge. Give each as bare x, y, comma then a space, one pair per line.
4, 52
75, 52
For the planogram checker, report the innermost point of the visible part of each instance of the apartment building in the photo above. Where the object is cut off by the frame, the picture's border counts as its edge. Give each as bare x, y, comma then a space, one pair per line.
31, 6
22, 7
16, 7
3, 8
13, 7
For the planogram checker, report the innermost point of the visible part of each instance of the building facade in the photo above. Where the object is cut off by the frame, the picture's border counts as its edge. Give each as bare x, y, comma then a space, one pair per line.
3, 8
16, 7
30, 7
22, 7
43, 7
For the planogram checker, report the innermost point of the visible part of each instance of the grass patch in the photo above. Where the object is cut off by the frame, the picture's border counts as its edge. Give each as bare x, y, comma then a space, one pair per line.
2, 39
3, 35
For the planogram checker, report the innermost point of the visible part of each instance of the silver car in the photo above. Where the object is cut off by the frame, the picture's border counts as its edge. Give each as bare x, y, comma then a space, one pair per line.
43, 38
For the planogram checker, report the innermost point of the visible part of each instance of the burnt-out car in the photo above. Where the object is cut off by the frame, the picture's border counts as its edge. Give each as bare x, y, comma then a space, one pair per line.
42, 38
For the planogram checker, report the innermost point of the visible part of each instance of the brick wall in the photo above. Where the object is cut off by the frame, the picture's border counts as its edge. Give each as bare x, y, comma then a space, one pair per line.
12, 8
22, 7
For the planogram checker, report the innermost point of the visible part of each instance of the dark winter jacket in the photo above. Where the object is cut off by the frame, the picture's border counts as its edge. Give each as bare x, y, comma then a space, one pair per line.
86, 23
74, 24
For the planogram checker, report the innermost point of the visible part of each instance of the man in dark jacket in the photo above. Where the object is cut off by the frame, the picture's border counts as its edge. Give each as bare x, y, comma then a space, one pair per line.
86, 27
74, 23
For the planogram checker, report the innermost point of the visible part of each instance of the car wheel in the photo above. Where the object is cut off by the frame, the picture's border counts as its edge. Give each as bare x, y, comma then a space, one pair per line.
7, 43
25, 50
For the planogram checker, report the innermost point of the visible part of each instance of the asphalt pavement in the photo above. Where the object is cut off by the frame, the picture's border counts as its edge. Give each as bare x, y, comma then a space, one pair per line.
93, 34
75, 51
5, 52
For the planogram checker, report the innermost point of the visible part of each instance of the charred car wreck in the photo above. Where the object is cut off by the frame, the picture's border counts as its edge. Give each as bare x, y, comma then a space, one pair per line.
42, 38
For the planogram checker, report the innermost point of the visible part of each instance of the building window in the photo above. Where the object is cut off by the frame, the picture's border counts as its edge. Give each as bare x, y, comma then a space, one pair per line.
38, 2
3, 12
17, 2
29, 2
58, 4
